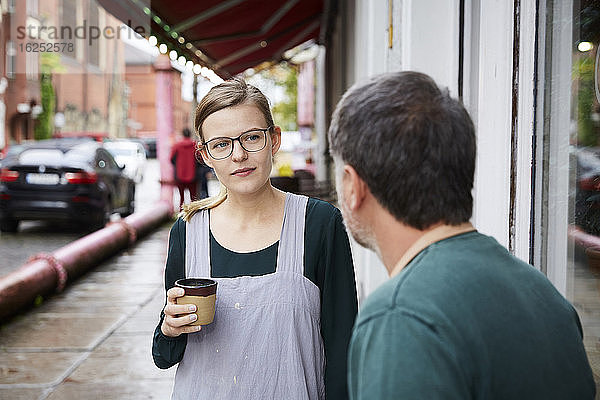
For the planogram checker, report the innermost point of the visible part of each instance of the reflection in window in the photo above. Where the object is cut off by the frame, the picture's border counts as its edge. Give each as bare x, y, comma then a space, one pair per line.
584, 138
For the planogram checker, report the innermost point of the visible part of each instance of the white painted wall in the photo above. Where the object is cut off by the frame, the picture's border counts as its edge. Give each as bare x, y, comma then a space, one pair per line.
370, 39
429, 39
425, 37
370, 57
558, 154
491, 108
525, 130
487, 95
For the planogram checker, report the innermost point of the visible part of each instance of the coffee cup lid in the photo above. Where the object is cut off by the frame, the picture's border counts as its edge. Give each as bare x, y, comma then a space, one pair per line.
194, 283
197, 286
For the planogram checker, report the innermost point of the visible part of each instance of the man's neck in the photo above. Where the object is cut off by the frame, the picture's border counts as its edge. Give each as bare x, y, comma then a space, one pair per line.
394, 238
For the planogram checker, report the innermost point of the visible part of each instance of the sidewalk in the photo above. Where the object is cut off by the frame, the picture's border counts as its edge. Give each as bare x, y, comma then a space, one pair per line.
93, 341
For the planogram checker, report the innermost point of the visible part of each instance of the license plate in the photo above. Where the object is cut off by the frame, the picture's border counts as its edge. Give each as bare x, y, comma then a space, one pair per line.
42, 179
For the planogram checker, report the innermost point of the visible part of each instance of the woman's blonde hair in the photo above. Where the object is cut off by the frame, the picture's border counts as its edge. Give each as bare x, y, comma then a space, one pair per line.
227, 94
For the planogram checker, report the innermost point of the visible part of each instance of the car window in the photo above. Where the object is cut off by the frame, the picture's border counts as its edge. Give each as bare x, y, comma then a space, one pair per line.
14, 150
75, 155
41, 156
128, 149
121, 151
78, 154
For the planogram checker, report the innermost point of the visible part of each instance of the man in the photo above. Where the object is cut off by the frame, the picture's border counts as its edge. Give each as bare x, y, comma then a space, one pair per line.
460, 318
183, 158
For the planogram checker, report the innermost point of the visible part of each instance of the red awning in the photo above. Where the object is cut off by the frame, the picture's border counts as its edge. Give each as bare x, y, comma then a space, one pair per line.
229, 36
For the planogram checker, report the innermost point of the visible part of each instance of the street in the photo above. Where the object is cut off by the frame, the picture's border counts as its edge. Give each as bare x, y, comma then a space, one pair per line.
36, 236
92, 341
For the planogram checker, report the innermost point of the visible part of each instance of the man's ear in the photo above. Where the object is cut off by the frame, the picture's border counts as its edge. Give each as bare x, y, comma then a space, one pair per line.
355, 189
275, 139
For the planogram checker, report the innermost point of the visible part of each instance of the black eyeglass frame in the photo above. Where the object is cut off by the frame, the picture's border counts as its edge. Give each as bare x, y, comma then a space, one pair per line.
263, 130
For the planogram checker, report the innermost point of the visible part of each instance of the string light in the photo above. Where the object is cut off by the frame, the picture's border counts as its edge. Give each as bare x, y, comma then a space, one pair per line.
189, 65
584, 46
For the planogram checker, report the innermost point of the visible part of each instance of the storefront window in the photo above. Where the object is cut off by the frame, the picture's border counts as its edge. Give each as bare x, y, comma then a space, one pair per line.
583, 272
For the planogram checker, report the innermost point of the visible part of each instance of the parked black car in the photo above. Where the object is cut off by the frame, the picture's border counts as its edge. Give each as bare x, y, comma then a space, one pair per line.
62, 179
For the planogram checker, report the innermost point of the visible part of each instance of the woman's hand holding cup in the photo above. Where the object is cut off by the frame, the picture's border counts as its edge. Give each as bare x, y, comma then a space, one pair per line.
178, 316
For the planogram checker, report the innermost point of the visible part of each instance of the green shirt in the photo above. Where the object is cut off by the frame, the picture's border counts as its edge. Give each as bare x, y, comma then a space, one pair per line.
327, 263
467, 320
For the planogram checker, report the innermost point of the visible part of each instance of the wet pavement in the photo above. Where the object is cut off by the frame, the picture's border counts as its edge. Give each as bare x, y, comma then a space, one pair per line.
34, 237
44, 237
93, 340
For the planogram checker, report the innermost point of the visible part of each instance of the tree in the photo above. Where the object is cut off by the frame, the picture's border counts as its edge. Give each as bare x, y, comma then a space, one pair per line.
50, 62
584, 75
285, 112
280, 78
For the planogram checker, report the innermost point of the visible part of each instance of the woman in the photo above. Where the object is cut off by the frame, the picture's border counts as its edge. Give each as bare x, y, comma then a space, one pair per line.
286, 297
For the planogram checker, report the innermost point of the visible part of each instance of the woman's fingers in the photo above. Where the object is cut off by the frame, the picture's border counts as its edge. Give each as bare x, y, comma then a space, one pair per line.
177, 322
176, 309
173, 294
175, 326
190, 328
178, 316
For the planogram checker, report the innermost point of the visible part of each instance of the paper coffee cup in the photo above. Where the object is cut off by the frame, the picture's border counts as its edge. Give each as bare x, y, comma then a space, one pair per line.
203, 293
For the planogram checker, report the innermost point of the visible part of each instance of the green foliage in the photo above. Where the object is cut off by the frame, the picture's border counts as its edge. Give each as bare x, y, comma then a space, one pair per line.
50, 62
285, 112
45, 126
587, 134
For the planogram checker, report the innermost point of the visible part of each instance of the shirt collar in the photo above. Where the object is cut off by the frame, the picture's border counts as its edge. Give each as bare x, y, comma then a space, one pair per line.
435, 235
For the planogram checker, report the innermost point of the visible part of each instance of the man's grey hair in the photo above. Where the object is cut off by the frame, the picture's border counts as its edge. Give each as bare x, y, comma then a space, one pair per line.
412, 144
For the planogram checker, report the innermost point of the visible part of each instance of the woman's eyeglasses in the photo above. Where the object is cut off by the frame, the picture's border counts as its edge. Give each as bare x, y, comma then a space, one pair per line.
251, 141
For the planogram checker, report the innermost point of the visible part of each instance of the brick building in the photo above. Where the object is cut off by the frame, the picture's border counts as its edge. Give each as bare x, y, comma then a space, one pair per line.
88, 73
141, 78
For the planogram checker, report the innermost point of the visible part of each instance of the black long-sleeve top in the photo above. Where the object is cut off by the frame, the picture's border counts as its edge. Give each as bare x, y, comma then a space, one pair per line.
327, 263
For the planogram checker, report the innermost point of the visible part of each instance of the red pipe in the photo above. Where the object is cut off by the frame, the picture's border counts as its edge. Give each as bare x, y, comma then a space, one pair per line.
44, 273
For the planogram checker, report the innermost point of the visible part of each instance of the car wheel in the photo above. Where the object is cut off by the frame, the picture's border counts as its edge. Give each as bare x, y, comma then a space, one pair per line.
130, 202
103, 217
137, 177
9, 225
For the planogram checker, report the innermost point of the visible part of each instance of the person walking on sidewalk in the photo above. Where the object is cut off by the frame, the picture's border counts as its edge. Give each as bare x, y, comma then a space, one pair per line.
183, 158
460, 318
286, 297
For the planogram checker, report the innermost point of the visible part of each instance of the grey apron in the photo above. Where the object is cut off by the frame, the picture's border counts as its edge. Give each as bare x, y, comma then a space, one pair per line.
265, 341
